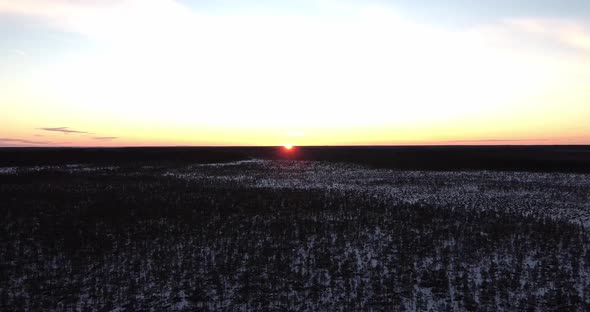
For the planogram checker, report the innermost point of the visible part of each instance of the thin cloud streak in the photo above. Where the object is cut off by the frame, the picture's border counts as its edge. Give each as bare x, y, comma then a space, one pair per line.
63, 130
574, 34
22, 141
494, 140
104, 138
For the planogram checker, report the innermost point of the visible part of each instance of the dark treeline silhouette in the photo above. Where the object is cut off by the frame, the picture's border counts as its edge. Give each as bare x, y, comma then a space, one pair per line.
511, 158
136, 240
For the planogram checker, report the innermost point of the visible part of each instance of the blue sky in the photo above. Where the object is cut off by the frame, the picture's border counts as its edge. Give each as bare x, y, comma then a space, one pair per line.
434, 11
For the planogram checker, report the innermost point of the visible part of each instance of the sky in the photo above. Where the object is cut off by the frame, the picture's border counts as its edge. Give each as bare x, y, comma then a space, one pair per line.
306, 72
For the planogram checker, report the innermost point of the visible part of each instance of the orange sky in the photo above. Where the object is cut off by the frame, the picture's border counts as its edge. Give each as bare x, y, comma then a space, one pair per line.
367, 75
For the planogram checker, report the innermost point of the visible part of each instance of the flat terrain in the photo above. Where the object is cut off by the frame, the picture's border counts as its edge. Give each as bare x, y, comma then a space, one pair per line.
319, 229
512, 158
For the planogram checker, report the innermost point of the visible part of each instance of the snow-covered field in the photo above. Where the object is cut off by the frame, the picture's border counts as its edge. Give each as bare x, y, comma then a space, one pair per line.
557, 195
292, 235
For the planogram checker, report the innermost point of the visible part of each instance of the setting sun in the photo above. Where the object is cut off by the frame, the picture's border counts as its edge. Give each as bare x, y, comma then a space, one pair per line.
288, 146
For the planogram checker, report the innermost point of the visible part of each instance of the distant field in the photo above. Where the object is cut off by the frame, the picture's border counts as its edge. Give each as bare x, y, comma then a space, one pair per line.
512, 158
285, 234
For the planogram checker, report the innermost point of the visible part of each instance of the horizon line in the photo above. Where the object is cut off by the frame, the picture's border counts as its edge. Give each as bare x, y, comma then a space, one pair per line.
296, 146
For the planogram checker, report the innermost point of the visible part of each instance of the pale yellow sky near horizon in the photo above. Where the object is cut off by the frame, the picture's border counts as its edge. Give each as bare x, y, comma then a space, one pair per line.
159, 72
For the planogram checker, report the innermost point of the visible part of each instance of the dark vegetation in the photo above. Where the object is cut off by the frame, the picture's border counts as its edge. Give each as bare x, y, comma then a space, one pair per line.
137, 240
511, 158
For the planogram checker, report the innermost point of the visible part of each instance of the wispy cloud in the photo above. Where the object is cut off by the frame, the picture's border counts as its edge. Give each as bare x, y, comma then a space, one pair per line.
22, 141
569, 33
65, 130
19, 52
87, 17
51, 8
494, 140
104, 138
